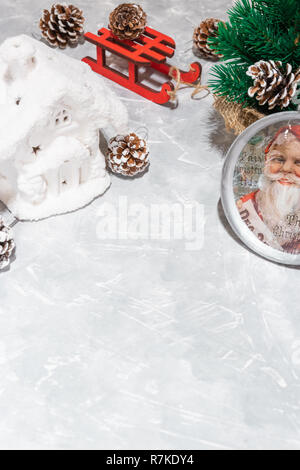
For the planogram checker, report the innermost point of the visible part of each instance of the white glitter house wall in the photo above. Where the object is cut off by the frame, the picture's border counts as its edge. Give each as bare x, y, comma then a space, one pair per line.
51, 110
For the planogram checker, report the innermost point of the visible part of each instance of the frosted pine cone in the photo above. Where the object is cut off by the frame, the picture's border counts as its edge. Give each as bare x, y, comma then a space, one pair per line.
207, 29
62, 25
7, 244
274, 84
128, 21
127, 155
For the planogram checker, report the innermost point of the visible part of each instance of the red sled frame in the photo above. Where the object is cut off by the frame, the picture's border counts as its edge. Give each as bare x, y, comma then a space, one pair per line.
151, 50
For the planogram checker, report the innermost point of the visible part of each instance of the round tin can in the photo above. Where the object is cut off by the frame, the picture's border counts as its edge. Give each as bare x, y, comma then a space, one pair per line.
261, 187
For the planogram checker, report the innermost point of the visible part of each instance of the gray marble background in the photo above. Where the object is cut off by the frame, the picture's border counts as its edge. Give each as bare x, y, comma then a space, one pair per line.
108, 344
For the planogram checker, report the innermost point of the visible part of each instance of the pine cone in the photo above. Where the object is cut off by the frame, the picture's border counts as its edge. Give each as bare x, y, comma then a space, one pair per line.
127, 155
128, 21
7, 244
274, 84
62, 25
207, 29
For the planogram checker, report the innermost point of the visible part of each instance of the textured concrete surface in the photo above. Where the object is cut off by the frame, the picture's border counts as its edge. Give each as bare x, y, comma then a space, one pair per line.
142, 343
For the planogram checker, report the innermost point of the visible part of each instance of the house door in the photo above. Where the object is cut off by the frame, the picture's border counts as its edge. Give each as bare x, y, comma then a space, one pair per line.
68, 176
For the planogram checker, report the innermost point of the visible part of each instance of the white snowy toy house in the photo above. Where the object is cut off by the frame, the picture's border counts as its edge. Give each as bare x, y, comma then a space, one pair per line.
51, 110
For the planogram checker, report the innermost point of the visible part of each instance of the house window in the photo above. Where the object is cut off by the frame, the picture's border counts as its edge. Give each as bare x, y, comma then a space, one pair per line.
63, 118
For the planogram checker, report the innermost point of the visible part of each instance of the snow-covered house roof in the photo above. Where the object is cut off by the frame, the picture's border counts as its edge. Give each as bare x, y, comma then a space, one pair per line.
37, 78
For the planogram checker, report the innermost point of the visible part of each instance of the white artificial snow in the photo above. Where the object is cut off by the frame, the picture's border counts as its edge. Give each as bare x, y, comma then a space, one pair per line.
52, 107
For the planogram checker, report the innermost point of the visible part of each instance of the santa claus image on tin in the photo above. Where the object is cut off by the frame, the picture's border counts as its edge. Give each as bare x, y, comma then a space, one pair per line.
272, 212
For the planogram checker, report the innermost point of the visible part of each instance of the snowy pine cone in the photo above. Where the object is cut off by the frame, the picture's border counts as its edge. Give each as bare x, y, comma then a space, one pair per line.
128, 21
7, 244
62, 25
274, 84
127, 155
207, 29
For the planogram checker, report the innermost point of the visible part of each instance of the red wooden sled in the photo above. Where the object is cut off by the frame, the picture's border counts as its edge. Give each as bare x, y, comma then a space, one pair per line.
151, 50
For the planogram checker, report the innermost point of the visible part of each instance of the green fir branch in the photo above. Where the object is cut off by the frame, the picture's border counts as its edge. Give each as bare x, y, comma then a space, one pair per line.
222, 78
256, 30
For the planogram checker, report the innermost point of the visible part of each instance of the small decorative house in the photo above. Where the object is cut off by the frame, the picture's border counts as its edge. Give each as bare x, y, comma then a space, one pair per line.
51, 110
